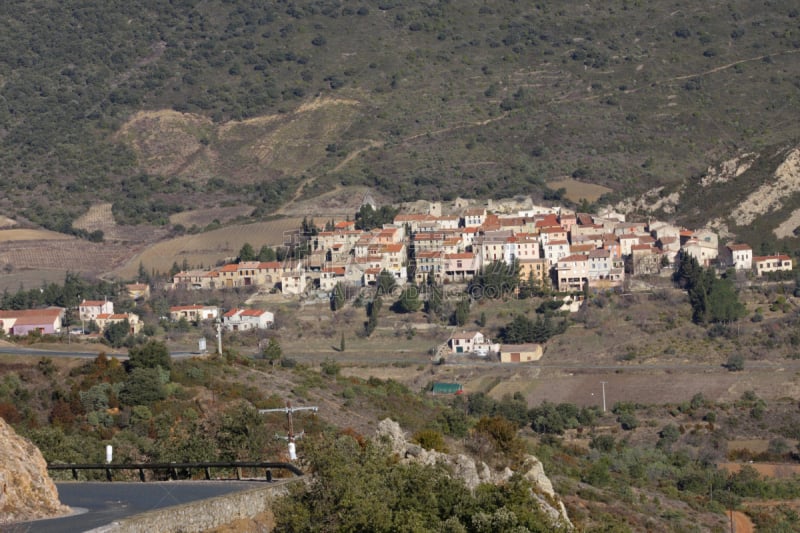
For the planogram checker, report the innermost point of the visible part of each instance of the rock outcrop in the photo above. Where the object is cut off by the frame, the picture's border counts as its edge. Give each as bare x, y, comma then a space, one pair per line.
26, 490
473, 472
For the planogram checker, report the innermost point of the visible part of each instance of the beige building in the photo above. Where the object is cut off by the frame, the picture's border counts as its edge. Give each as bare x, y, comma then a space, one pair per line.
520, 353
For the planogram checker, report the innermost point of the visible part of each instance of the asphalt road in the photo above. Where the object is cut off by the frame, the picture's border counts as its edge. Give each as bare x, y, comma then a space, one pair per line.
100, 503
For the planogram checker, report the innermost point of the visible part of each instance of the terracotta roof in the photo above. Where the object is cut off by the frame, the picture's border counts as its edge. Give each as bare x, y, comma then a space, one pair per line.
177, 308
428, 254
553, 229
578, 248
739, 247
573, 258
638, 247
232, 267
335, 270
232, 312
253, 312
462, 255
392, 248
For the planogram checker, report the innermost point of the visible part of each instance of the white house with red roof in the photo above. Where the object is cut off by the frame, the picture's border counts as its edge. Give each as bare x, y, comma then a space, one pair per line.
90, 309
764, 264
106, 319
246, 319
467, 341
330, 276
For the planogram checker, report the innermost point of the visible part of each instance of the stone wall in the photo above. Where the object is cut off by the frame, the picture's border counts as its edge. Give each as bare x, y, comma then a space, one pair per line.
201, 515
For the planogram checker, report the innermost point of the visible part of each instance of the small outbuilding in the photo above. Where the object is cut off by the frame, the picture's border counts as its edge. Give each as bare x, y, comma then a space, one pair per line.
520, 353
447, 388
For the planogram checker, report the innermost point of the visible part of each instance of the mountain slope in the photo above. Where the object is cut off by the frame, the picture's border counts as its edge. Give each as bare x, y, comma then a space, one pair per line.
444, 98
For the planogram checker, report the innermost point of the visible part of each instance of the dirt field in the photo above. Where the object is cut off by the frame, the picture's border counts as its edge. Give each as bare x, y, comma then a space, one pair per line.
204, 217
9, 235
30, 262
772, 470
210, 247
576, 190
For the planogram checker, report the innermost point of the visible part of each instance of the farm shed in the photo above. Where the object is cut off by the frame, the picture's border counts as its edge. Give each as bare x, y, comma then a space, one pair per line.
520, 353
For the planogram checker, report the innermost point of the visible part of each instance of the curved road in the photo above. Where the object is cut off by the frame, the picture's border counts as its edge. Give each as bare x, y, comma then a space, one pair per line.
100, 503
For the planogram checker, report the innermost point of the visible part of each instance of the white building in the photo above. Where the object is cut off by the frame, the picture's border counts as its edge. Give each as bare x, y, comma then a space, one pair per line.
91, 309
245, 319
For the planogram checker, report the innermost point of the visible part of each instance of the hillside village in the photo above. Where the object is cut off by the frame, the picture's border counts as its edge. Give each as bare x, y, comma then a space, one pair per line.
551, 249
553, 246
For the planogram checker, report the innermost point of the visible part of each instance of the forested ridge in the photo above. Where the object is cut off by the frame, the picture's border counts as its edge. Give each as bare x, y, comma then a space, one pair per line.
454, 97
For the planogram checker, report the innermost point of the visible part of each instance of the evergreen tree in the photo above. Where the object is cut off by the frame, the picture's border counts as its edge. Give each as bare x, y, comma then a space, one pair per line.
409, 301
247, 253
434, 304
151, 355
461, 314
373, 308
386, 283
272, 352
117, 332
266, 254
337, 297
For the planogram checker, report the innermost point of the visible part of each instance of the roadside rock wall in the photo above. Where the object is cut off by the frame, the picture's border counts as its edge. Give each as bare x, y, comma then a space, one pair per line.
26, 490
203, 515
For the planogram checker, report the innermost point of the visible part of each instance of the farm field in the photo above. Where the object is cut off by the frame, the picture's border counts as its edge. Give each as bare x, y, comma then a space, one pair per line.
28, 262
208, 248
18, 234
578, 190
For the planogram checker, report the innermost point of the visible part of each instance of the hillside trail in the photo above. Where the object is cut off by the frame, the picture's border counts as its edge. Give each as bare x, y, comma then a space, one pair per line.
714, 70
380, 144
741, 522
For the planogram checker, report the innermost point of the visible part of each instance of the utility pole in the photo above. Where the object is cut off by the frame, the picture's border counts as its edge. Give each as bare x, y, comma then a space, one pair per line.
290, 437
603, 383
219, 338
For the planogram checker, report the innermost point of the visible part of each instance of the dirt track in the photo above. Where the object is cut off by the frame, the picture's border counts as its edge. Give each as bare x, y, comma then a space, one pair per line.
741, 523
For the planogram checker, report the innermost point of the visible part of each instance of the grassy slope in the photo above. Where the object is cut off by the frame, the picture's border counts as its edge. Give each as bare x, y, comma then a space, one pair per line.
455, 97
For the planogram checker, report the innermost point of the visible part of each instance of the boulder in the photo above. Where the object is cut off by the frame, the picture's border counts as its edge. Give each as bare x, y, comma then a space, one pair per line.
26, 490
473, 472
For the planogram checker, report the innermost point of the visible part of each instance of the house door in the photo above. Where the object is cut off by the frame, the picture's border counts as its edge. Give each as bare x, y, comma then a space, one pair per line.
515, 358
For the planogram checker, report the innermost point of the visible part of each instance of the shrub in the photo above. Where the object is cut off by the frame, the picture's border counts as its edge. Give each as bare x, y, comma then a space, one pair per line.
430, 440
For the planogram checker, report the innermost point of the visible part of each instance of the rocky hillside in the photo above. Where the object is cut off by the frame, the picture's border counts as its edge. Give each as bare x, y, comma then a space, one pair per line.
26, 490
753, 197
474, 472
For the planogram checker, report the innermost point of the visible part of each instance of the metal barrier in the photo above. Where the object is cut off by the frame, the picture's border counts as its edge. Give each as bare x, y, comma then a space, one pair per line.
172, 468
